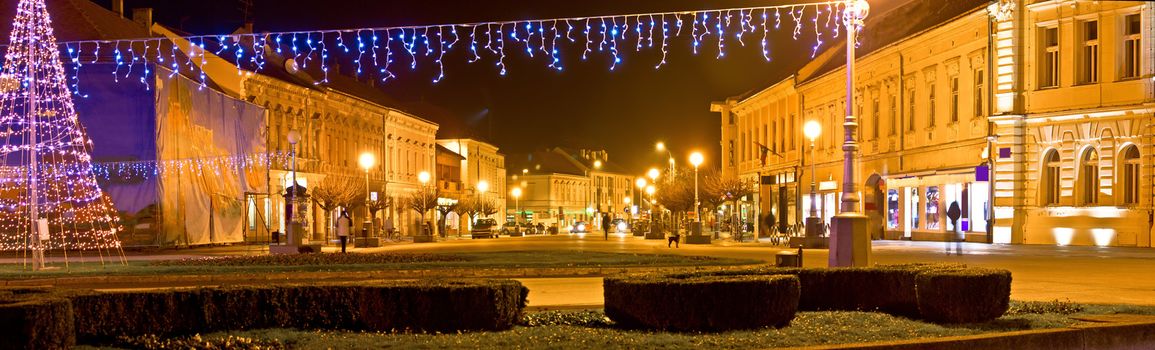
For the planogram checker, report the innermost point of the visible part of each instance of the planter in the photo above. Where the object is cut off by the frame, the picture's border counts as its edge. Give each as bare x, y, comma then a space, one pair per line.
423, 239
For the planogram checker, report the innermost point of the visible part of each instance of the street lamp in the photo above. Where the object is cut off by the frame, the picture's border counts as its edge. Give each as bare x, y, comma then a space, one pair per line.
653, 174
423, 177
849, 240
516, 193
294, 137
366, 162
696, 160
812, 129
661, 146
482, 186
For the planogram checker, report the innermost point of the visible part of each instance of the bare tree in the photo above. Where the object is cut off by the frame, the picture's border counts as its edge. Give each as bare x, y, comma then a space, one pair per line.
444, 210
332, 192
423, 201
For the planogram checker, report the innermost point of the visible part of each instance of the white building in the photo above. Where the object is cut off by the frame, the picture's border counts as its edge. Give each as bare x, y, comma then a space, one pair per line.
482, 162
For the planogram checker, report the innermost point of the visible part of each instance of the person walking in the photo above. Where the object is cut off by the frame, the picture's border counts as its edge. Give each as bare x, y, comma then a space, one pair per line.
343, 224
606, 225
953, 213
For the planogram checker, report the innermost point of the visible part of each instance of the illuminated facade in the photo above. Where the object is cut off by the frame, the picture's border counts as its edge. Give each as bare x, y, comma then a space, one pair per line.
578, 183
482, 162
1044, 108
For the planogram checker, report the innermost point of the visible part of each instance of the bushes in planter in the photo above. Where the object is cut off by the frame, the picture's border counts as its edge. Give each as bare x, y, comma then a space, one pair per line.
33, 319
961, 296
439, 305
701, 303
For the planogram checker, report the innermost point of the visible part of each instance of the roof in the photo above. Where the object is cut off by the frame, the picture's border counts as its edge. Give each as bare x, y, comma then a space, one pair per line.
545, 162
443, 150
77, 20
882, 30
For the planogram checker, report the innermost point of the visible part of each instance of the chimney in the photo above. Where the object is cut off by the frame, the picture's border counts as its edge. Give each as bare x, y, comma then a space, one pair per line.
118, 7
143, 17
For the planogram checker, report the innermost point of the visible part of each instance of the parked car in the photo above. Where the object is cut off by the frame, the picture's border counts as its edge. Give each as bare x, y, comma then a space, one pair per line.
619, 226
514, 229
483, 228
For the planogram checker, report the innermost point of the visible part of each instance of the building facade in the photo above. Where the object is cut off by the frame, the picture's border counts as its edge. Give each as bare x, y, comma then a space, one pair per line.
482, 163
1035, 118
563, 186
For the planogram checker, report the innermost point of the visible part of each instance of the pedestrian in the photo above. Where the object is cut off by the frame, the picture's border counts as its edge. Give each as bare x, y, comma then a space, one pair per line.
953, 213
606, 225
343, 224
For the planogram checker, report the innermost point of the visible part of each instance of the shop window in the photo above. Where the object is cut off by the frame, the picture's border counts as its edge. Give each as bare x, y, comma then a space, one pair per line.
1132, 36
1089, 176
1048, 57
892, 212
932, 211
1129, 174
913, 198
1049, 186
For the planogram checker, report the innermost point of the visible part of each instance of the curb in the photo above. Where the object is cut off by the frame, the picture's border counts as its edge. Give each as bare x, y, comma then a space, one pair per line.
217, 279
1109, 336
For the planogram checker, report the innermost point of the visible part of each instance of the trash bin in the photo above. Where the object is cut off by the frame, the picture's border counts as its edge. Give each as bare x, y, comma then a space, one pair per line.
787, 259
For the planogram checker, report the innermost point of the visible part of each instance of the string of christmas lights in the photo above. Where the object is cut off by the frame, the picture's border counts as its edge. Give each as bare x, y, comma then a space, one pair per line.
374, 50
49, 199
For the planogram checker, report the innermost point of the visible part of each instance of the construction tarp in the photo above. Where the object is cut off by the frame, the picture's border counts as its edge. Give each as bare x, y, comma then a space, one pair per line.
176, 158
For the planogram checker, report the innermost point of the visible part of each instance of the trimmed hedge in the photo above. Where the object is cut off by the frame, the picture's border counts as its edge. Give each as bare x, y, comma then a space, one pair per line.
438, 305
710, 303
963, 296
32, 319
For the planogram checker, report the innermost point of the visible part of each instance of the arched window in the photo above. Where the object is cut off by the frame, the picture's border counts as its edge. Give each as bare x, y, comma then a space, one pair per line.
1049, 186
1089, 177
1129, 174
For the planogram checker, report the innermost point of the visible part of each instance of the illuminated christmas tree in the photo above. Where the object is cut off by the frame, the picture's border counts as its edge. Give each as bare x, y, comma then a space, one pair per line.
45, 168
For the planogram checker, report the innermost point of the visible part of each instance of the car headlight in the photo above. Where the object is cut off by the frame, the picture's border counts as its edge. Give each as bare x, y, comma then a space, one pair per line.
581, 227
621, 226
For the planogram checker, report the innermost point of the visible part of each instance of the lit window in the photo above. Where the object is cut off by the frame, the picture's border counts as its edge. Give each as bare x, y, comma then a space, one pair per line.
893, 114
1089, 177
910, 110
1049, 186
1089, 60
1129, 174
877, 117
930, 107
979, 92
1131, 49
954, 99
1049, 57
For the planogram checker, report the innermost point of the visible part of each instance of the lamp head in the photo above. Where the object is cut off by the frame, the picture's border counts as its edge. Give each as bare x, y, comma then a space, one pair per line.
366, 160
653, 174
294, 136
640, 182
423, 177
812, 129
483, 186
696, 159
650, 190
516, 192
660, 146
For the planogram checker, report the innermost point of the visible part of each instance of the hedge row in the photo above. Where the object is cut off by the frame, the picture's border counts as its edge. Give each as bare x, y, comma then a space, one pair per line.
442, 306
911, 290
701, 303
34, 319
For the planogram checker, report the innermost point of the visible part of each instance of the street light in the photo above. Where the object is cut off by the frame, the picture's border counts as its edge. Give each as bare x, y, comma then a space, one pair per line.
850, 241
661, 146
423, 177
482, 186
812, 129
653, 174
366, 162
696, 160
294, 137
516, 193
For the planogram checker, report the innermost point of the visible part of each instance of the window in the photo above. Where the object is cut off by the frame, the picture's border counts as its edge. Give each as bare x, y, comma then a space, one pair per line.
1049, 186
910, 110
930, 107
979, 92
1048, 57
1132, 30
1089, 57
893, 115
1089, 177
731, 152
932, 211
877, 117
954, 99
1129, 174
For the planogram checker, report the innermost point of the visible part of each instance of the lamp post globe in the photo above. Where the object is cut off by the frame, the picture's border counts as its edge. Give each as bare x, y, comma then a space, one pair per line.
653, 174
516, 193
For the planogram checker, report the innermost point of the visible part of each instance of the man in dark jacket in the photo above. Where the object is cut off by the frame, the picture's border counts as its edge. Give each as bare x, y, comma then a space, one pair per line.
606, 225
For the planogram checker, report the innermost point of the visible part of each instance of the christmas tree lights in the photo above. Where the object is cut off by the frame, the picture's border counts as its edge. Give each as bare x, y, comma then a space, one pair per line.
536, 39
49, 198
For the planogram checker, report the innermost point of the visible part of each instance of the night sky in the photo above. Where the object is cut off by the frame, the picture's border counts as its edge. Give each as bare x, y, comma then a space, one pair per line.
624, 111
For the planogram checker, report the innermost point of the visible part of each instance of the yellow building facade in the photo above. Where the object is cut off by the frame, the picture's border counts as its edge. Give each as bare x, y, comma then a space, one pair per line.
1035, 118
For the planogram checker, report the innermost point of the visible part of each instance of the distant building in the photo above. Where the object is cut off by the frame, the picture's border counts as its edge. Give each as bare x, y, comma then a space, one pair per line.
1035, 116
561, 185
482, 162
451, 188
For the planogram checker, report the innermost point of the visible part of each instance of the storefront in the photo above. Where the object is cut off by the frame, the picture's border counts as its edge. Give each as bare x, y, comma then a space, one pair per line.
916, 205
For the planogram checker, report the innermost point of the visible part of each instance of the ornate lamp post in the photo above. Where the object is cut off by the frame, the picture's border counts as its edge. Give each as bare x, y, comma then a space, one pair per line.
812, 129
849, 240
423, 177
482, 186
516, 193
294, 137
366, 161
696, 160
661, 147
